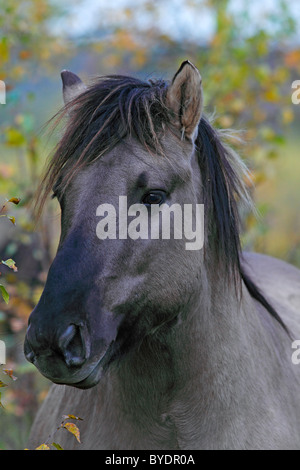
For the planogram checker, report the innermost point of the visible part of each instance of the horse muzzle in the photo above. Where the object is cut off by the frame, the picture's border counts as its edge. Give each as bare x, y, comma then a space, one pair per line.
68, 356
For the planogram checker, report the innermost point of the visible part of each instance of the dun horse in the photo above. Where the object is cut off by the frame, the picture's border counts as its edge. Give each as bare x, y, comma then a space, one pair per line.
153, 345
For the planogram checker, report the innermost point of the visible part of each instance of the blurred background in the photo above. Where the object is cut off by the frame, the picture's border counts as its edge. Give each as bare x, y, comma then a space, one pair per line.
248, 54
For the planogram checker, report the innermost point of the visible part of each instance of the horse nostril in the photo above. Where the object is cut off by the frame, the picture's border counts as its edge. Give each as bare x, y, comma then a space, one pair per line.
72, 346
29, 354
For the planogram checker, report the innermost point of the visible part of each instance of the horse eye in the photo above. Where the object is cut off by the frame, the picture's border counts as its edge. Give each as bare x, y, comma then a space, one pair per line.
154, 197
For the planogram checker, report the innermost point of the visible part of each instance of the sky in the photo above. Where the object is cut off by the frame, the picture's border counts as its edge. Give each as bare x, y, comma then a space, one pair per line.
172, 16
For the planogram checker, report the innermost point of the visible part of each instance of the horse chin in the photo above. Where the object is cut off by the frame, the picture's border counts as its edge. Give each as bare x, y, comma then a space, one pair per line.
91, 380
94, 375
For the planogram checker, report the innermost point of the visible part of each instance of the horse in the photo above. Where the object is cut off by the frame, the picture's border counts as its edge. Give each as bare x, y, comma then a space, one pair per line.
156, 346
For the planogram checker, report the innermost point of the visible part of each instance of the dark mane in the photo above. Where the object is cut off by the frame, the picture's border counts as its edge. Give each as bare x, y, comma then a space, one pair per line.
222, 186
117, 106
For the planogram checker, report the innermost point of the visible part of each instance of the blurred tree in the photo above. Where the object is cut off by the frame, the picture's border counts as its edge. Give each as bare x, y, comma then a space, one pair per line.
247, 68
246, 71
26, 46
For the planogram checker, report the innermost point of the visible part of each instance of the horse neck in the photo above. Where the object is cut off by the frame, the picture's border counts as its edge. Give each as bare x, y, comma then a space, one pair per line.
205, 336
209, 356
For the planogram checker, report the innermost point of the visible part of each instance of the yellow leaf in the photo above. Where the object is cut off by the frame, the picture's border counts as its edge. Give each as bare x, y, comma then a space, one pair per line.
287, 116
43, 447
72, 417
14, 137
14, 200
12, 219
73, 429
271, 95
4, 50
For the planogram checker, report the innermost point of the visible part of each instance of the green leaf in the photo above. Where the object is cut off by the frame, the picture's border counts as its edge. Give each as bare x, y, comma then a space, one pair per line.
4, 293
57, 446
10, 263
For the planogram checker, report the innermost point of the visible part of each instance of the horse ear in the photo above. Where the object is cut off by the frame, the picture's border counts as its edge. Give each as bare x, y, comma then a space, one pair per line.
185, 99
72, 85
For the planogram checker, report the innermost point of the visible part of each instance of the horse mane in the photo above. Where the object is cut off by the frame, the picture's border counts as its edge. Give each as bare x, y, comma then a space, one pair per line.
223, 178
117, 106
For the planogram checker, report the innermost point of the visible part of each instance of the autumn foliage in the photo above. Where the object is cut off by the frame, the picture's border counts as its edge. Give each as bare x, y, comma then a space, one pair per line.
247, 68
